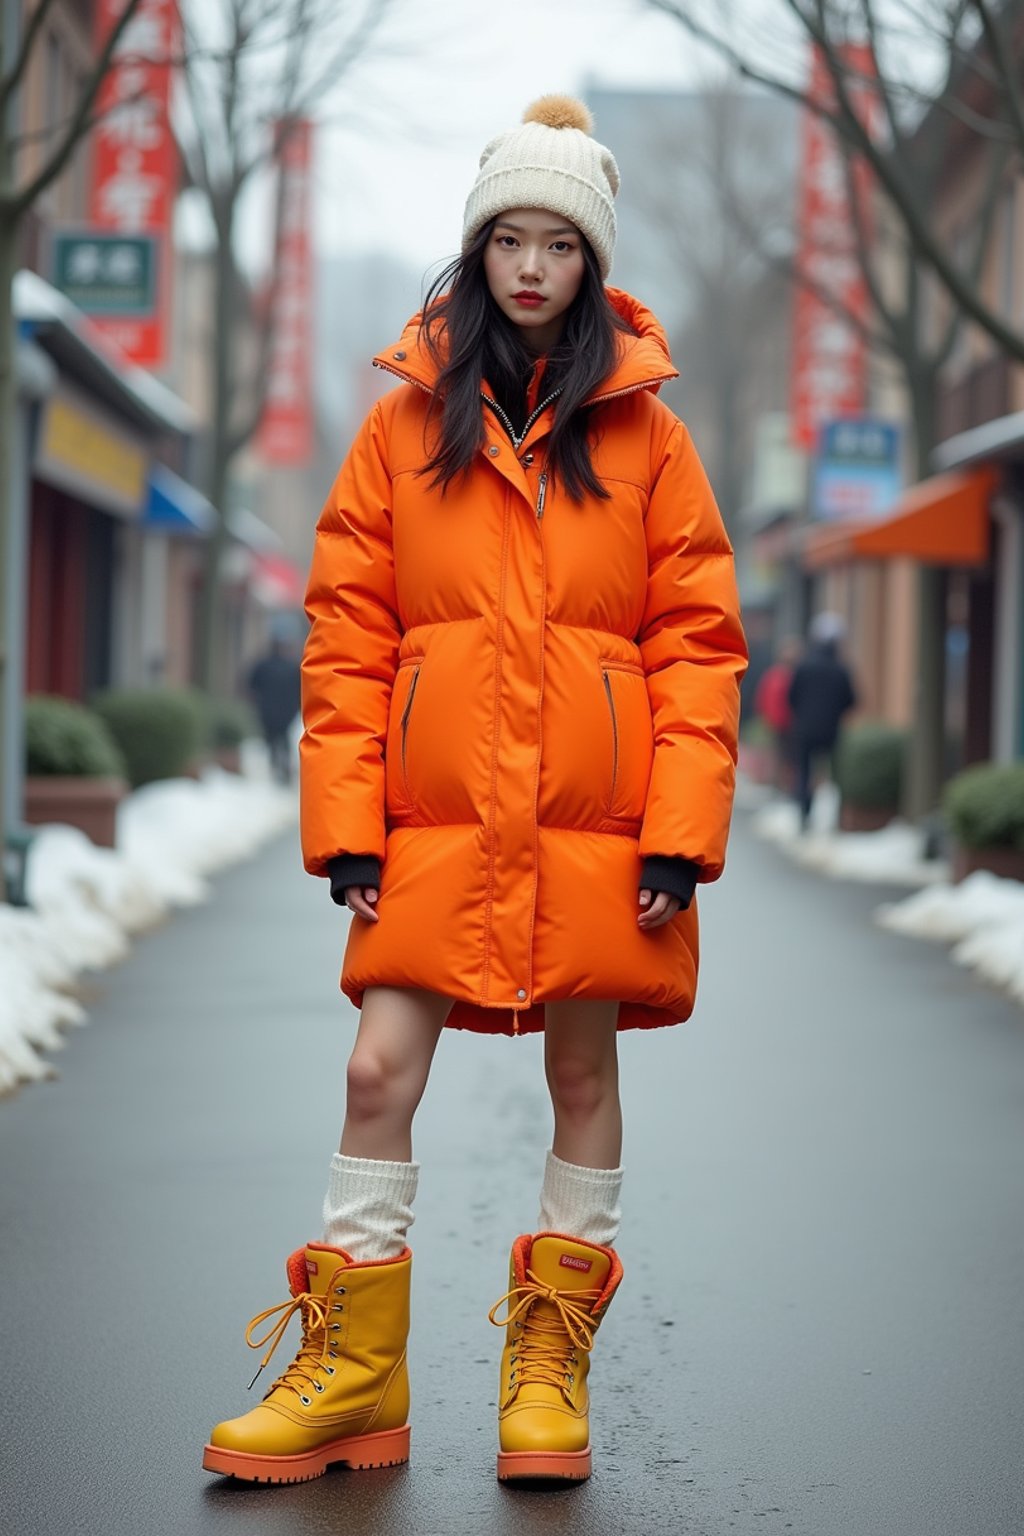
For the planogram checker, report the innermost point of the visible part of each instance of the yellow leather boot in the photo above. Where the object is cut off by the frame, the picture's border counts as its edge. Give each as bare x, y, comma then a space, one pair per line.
345, 1396
560, 1288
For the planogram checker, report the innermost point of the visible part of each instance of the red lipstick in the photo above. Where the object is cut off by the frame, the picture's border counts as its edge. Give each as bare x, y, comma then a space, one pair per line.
528, 299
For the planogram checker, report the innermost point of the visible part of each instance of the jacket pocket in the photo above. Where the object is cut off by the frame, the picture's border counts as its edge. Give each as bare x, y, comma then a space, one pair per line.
403, 697
631, 739
406, 716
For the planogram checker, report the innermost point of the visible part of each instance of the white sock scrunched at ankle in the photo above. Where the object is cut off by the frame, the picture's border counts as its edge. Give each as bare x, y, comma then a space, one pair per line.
581, 1202
368, 1206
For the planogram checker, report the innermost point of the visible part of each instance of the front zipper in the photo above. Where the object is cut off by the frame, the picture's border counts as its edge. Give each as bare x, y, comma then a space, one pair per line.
519, 439
405, 727
542, 491
615, 735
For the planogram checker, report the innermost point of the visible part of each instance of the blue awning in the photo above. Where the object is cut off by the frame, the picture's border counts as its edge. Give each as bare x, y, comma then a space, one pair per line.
175, 507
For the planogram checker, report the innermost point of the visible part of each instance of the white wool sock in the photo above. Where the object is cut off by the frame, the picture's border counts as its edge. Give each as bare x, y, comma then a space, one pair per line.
368, 1206
580, 1202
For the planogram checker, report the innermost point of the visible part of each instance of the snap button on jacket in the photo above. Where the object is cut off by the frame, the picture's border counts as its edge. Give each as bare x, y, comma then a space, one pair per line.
511, 698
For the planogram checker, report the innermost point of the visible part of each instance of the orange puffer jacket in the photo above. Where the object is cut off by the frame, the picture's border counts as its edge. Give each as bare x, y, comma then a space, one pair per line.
511, 699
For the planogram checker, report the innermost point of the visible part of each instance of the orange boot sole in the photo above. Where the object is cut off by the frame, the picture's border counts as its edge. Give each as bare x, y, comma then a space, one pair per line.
562, 1466
386, 1448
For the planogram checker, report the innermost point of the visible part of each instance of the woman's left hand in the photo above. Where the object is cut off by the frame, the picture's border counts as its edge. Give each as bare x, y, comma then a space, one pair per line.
660, 910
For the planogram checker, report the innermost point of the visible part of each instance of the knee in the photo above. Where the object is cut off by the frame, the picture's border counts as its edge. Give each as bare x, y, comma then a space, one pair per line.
374, 1086
580, 1085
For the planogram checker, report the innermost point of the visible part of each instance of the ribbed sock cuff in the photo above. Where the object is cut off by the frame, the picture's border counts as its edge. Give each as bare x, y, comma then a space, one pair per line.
581, 1202
368, 1206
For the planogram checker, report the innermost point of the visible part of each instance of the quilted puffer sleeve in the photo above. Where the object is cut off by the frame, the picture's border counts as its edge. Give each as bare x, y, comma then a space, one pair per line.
350, 659
694, 655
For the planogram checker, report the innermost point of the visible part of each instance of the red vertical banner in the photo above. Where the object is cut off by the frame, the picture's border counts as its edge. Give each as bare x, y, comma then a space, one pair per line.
829, 368
135, 158
286, 431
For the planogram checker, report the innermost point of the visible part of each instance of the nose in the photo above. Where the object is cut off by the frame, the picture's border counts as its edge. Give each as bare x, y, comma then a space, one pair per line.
530, 265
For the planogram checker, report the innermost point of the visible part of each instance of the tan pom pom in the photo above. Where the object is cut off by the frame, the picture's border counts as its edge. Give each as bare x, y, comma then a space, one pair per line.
560, 112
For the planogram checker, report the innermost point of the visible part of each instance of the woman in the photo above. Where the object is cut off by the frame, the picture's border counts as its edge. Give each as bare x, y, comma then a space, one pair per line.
520, 707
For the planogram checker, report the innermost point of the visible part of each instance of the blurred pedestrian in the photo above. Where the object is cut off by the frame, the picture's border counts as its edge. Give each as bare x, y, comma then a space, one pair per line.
773, 708
520, 696
274, 687
820, 694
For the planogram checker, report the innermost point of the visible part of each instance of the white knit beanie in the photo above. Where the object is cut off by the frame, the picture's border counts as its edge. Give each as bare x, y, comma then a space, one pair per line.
550, 162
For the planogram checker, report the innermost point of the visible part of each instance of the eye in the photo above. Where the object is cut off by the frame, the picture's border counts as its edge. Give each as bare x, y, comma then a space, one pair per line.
507, 241
561, 246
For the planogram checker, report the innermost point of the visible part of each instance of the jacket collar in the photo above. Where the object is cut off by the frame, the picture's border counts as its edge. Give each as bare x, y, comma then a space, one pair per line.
643, 361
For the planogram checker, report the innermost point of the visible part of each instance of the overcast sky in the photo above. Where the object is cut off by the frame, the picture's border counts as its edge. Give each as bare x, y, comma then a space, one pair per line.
470, 68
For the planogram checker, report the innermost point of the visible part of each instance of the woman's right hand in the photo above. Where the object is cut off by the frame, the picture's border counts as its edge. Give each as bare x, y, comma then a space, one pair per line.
358, 899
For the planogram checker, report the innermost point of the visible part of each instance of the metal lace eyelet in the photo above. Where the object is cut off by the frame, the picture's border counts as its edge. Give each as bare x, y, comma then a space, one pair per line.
340, 1291
304, 1400
318, 1386
329, 1368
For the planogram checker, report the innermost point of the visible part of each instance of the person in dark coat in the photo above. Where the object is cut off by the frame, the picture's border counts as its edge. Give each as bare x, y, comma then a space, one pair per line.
274, 687
820, 694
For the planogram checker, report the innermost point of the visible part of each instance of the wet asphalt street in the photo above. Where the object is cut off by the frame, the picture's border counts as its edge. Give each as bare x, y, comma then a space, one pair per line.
821, 1328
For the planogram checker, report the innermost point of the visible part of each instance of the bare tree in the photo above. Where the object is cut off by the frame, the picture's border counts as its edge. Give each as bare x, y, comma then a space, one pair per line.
974, 90
975, 49
256, 68
18, 193
729, 156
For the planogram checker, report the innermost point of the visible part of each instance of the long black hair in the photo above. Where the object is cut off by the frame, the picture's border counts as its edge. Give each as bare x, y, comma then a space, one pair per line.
470, 339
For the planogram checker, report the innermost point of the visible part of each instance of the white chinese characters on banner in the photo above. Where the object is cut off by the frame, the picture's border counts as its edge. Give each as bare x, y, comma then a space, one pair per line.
829, 370
134, 164
286, 431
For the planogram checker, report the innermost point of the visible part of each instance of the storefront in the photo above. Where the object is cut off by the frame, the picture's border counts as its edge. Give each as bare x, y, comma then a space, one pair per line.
963, 525
89, 475
90, 431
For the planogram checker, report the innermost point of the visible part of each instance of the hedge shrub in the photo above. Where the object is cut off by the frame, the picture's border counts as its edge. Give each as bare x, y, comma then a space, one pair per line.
869, 765
160, 731
984, 806
64, 738
229, 723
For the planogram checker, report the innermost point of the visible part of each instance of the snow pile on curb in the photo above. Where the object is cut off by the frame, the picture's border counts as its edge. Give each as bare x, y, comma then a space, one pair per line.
983, 918
893, 856
86, 902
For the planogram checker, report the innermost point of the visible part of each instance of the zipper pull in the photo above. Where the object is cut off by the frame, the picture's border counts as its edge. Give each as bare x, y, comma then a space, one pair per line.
542, 492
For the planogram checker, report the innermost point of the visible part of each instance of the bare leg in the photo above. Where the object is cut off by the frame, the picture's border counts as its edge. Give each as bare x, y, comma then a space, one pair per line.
399, 1028
581, 1062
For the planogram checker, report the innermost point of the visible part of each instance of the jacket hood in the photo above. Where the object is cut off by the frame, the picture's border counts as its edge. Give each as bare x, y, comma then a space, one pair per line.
644, 361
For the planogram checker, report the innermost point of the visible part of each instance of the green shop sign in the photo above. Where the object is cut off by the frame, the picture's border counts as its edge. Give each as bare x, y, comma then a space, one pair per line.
106, 273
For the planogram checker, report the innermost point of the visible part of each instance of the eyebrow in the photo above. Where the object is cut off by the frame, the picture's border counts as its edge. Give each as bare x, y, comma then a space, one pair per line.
517, 229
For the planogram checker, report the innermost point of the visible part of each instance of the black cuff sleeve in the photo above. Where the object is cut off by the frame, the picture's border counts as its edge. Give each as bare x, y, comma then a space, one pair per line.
352, 869
662, 872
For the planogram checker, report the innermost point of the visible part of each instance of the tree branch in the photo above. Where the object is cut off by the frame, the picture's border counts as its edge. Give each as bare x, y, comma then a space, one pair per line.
244, 429
921, 235
10, 83
996, 171
20, 200
1006, 64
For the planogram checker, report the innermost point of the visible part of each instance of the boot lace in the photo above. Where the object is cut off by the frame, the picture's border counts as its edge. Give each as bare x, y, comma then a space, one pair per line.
549, 1341
315, 1349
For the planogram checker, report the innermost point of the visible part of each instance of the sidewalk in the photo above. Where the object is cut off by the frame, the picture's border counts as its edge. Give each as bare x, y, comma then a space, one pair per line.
820, 1327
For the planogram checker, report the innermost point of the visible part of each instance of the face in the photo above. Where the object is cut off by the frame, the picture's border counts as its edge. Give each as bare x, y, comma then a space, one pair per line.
534, 266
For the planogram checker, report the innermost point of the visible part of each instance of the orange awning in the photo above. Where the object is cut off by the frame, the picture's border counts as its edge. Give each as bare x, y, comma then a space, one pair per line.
940, 521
